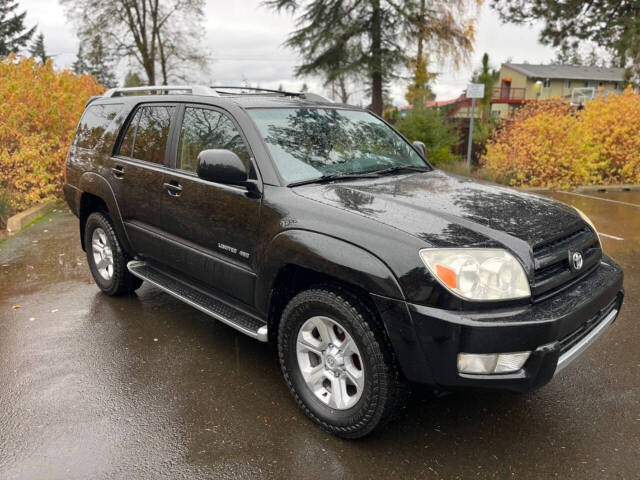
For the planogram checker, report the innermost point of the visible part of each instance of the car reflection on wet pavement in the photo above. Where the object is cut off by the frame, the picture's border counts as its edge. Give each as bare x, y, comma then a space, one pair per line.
147, 387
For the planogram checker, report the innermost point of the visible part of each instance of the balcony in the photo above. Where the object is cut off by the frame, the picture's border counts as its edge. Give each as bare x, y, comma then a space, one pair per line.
505, 94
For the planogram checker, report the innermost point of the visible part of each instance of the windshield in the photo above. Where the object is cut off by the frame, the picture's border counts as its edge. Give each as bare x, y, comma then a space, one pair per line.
310, 143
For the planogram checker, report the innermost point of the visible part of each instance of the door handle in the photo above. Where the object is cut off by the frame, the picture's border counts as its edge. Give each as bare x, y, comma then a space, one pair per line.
118, 171
173, 188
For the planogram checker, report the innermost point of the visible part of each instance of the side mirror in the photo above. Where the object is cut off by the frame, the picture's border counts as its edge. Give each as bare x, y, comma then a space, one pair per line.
421, 147
221, 166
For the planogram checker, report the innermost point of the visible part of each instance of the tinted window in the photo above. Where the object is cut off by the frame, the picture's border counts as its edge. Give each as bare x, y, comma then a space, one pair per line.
152, 134
126, 147
93, 123
147, 134
207, 129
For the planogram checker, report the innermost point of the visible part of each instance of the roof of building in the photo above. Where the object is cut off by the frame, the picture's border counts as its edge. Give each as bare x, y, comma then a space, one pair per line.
569, 72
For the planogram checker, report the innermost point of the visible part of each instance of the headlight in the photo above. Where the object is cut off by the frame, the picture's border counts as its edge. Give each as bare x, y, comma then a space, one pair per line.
589, 222
477, 273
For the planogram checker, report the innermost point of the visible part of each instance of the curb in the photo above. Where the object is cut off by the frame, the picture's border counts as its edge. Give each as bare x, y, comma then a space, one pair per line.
608, 188
22, 219
586, 189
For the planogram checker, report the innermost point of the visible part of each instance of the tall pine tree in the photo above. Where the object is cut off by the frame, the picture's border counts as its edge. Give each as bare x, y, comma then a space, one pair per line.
337, 37
13, 34
364, 37
95, 62
37, 50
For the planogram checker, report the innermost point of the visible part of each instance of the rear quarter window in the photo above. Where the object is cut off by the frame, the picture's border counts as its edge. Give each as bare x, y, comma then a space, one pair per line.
94, 122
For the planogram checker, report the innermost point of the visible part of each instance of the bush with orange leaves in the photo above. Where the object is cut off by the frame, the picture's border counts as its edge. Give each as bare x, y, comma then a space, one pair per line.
550, 144
39, 111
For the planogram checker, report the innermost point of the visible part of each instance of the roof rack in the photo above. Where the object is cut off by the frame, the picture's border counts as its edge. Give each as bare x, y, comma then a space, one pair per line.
163, 90
257, 91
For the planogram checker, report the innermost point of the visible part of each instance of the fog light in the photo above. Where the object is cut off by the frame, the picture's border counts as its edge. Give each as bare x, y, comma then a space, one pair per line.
488, 363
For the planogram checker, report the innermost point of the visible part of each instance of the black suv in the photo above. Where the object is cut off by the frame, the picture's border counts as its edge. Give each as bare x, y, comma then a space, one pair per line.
320, 228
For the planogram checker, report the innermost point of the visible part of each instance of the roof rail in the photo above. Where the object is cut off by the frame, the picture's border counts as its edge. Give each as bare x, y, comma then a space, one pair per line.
218, 89
163, 90
304, 95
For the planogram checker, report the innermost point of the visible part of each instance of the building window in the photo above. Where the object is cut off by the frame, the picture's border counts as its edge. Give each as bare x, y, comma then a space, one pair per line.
547, 83
567, 84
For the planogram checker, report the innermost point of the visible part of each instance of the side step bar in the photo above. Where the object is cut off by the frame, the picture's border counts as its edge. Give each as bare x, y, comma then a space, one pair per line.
241, 321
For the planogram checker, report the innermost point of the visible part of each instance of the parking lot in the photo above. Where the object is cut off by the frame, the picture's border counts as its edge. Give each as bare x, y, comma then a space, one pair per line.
147, 387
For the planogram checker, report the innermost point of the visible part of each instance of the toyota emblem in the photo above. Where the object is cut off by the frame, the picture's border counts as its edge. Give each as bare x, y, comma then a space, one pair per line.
576, 260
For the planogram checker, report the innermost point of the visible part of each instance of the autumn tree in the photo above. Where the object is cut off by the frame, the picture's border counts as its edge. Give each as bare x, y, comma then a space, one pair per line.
13, 33
37, 50
157, 36
96, 61
440, 30
611, 24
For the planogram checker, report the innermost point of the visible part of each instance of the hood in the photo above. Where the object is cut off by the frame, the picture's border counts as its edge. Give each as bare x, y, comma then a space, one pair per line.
446, 210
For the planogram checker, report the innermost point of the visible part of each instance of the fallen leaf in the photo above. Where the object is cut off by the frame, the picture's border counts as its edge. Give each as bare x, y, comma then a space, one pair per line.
16, 306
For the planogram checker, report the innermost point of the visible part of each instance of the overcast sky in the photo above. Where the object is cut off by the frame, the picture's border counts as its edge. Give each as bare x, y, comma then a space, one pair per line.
245, 41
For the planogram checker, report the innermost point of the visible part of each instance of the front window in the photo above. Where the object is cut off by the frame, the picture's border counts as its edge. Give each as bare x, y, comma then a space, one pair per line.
310, 143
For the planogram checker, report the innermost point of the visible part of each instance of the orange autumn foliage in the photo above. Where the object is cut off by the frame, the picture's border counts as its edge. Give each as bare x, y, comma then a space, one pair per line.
550, 144
39, 111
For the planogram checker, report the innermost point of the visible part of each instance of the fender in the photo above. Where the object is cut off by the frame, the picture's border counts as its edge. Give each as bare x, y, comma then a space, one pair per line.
95, 184
326, 255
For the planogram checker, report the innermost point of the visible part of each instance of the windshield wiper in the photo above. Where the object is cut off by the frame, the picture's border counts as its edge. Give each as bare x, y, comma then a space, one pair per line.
333, 176
401, 168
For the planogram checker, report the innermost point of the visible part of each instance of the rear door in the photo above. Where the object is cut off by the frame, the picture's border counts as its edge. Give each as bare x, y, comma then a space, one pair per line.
212, 228
139, 171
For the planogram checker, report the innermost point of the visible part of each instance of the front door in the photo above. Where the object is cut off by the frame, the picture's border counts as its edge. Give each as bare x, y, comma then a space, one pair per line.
139, 169
212, 228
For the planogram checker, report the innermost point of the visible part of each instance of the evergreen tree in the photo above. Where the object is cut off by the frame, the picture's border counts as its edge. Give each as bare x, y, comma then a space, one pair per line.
13, 34
352, 37
487, 76
80, 67
95, 62
132, 79
37, 50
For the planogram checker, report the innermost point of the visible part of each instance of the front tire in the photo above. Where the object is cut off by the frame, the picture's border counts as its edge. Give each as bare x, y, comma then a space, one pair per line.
338, 363
107, 261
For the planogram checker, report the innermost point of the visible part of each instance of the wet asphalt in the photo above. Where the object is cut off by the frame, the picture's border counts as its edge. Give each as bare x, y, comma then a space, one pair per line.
145, 387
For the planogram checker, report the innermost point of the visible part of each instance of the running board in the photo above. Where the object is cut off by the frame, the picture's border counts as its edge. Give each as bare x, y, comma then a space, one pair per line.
241, 321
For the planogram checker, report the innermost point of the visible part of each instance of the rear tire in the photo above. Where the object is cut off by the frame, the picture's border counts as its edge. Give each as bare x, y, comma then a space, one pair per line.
338, 362
107, 261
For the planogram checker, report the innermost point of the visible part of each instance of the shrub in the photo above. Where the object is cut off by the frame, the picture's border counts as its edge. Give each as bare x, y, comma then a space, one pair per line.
39, 111
427, 125
549, 144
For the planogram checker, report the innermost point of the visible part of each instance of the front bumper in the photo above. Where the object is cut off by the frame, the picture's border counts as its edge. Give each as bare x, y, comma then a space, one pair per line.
427, 340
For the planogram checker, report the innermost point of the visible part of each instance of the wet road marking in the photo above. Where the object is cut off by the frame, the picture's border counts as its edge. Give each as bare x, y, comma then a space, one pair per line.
610, 236
603, 199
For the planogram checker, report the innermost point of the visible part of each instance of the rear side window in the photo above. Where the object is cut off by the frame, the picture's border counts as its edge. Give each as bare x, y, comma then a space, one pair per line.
147, 134
93, 124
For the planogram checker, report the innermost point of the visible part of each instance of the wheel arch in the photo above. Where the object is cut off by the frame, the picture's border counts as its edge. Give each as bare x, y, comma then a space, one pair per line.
97, 195
299, 259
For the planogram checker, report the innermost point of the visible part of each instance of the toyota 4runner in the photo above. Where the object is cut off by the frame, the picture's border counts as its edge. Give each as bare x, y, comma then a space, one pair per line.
320, 228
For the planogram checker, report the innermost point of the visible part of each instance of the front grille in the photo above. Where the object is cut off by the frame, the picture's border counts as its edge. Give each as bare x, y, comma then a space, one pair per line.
551, 259
578, 334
